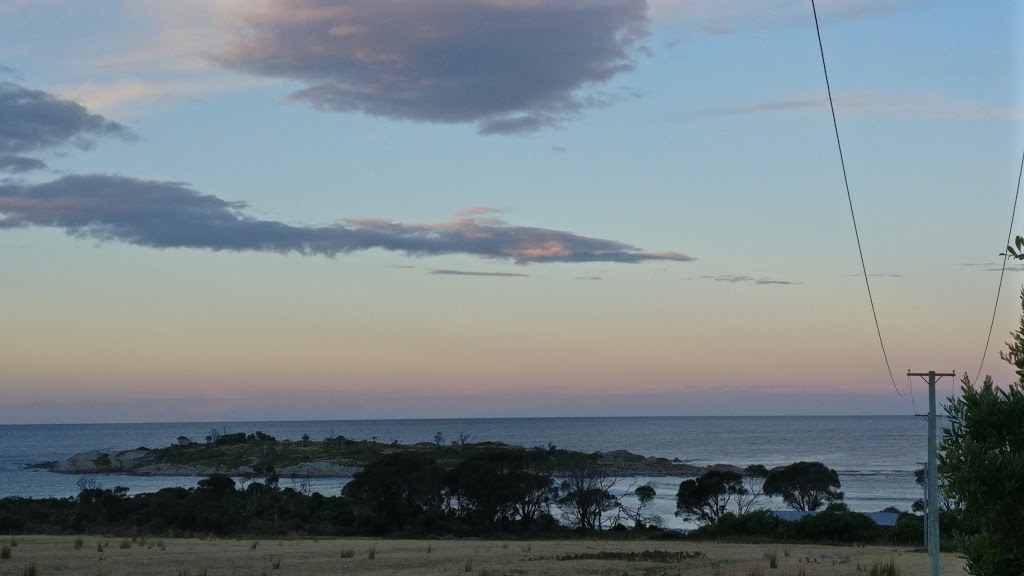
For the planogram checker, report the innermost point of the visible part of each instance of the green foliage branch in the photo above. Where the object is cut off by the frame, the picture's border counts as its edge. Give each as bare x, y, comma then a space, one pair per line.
982, 462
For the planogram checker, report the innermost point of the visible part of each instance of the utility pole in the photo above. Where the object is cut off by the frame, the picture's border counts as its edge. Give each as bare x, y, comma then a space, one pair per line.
932, 492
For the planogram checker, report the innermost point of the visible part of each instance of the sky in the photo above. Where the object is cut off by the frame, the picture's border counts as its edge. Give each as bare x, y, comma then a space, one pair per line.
222, 210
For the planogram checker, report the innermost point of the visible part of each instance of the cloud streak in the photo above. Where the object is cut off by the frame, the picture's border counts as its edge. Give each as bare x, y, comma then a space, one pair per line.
443, 272
173, 215
740, 279
506, 65
922, 106
15, 164
34, 120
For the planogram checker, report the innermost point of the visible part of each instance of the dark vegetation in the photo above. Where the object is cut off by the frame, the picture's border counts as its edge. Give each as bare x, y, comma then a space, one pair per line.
238, 451
982, 466
706, 498
492, 491
805, 486
828, 526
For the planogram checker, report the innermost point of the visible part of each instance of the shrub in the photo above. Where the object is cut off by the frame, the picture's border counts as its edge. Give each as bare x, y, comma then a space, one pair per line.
757, 524
909, 530
5, 553
837, 527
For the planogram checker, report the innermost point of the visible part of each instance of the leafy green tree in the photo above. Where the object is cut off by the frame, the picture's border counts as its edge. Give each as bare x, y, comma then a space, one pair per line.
982, 460
706, 498
1017, 250
805, 486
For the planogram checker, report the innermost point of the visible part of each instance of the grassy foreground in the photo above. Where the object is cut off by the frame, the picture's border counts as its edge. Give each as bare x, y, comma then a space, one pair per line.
69, 555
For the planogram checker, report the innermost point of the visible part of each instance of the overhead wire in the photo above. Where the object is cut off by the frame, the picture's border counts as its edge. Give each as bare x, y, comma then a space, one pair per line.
1002, 272
849, 198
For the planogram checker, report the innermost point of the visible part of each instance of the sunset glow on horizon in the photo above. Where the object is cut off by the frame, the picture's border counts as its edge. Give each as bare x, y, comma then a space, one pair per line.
312, 209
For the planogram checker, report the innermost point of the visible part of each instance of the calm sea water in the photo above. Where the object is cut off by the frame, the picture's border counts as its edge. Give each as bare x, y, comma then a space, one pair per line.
875, 455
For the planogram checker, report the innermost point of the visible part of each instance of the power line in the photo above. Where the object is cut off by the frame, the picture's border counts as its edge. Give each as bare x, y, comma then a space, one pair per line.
1006, 255
849, 198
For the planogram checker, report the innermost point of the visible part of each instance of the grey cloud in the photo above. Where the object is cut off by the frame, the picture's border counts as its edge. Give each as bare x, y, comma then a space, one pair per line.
468, 273
173, 215
506, 65
32, 120
1010, 267
14, 164
876, 275
739, 279
595, 278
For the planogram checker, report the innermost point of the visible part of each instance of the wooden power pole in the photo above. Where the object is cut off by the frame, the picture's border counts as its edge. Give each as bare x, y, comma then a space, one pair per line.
932, 525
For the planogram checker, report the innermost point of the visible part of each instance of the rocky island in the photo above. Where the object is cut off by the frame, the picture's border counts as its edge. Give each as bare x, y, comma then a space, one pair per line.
258, 454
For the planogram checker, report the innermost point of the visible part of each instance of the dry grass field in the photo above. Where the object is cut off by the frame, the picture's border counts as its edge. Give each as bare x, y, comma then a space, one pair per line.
89, 556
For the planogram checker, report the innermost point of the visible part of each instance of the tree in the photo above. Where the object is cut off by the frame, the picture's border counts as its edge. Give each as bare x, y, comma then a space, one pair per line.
946, 502
397, 489
584, 496
495, 486
645, 494
707, 497
982, 460
805, 486
753, 481
1016, 251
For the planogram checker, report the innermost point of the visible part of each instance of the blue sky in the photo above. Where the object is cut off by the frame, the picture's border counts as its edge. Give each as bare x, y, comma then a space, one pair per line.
356, 209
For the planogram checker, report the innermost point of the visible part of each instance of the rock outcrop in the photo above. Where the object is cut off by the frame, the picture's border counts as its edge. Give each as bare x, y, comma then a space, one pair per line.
144, 462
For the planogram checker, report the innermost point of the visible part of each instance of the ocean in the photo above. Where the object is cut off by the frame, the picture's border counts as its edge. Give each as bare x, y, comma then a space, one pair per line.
875, 456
